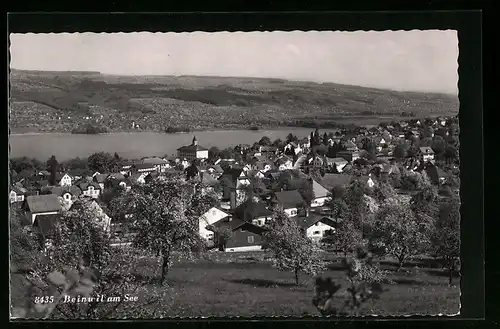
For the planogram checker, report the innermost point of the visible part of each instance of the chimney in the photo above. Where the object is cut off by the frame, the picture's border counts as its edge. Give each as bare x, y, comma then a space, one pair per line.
232, 200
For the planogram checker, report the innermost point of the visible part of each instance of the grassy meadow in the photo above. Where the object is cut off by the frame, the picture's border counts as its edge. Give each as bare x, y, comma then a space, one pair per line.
245, 284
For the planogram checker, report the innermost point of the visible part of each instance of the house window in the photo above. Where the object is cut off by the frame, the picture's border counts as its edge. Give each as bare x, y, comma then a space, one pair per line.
316, 233
294, 212
317, 224
250, 239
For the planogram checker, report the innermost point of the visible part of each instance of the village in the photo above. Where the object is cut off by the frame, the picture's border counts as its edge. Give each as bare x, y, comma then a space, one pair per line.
300, 175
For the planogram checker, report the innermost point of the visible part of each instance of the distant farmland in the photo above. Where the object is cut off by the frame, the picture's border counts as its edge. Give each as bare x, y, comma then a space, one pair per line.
60, 101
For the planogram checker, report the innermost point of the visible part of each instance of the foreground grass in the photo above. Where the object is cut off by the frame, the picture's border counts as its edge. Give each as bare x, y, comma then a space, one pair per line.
247, 285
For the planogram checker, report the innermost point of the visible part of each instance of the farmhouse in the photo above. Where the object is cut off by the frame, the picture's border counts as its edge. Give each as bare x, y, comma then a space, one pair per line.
290, 201
211, 217
193, 151
244, 236
426, 154
160, 164
317, 227
253, 212
36, 205
17, 194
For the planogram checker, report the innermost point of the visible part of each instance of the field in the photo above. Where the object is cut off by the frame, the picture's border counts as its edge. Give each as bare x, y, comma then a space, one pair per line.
62, 101
245, 284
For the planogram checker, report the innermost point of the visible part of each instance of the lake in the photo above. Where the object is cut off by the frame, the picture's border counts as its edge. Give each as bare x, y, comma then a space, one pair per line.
136, 145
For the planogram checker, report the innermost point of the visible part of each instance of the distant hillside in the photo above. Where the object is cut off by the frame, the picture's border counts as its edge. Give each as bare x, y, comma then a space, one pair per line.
61, 101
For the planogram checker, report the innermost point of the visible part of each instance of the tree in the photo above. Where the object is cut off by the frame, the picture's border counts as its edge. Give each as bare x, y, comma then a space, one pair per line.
265, 141
213, 153
292, 249
438, 145
166, 213
24, 243
396, 232
400, 151
364, 279
291, 138
101, 162
76, 163
278, 143
346, 236
52, 167
446, 237
80, 248
383, 191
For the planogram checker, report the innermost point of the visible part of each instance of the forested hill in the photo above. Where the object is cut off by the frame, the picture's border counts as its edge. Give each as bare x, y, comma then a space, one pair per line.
62, 101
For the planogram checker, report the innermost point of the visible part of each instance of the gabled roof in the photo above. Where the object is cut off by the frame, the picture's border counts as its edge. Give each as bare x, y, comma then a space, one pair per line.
154, 161
43, 203
249, 210
85, 185
19, 190
217, 169
208, 179
329, 181
74, 190
117, 176
306, 222
336, 160
319, 191
100, 178
426, 150
289, 199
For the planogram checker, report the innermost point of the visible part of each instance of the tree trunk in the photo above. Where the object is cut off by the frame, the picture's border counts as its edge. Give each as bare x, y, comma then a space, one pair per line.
164, 267
297, 277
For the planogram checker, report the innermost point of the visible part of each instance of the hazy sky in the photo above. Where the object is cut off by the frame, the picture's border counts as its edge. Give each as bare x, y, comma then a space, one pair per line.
399, 60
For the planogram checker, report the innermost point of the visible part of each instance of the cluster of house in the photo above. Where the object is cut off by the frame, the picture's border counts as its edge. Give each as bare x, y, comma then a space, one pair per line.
246, 219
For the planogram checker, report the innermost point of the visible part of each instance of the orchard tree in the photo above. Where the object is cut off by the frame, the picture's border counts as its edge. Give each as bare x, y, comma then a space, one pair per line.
401, 149
346, 237
166, 215
292, 249
364, 279
397, 232
80, 262
446, 237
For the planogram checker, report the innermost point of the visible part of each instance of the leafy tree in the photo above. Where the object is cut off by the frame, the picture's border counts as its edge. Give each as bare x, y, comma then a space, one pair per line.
292, 249
52, 167
214, 153
278, 143
291, 138
346, 237
80, 248
383, 191
400, 151
396, 232
364, 279
24, 243
265, 141
101, 161
166, 213
24, 163
438, 145
446, 237
76, 163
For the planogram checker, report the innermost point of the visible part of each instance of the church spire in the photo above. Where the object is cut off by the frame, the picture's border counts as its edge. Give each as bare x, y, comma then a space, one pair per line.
195, 141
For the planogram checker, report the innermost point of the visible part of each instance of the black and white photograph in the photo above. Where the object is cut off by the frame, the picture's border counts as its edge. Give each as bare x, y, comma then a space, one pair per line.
234, 174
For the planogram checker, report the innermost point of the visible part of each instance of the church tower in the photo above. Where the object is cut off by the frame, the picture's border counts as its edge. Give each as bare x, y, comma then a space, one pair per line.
195, 141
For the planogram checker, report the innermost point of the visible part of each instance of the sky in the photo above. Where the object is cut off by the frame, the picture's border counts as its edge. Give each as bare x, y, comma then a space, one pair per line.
399, 60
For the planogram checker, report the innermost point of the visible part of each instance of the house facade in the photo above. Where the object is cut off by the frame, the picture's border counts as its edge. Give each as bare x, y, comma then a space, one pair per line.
65, 180
210, 217
426, 154
245, 237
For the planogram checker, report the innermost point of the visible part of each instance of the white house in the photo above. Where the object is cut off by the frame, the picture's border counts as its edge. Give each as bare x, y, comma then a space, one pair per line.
91, 189
284, 163
293, 146
212, 216
321, 195
46, 204
17, 194
317, 227
65, 180
160, 164
426, 154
